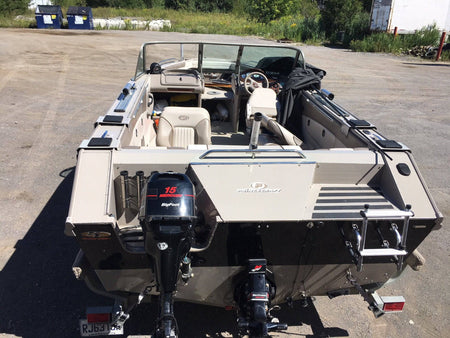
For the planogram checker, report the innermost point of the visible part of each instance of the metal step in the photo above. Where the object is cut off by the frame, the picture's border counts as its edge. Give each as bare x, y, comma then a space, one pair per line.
382, 252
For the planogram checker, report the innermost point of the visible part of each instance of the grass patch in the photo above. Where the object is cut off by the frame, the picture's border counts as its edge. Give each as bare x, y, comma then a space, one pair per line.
213, 23
387, 43
295, 28
186, 22
26, 20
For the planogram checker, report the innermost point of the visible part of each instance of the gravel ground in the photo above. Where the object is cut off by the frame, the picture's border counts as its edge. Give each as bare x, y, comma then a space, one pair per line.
53, 86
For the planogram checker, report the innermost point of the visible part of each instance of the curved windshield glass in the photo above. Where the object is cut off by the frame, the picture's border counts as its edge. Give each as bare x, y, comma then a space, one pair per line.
279, 60
217, 57
220, 57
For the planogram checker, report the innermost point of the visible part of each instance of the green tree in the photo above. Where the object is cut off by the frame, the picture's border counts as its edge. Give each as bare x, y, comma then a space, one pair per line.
308, 9
129, 3
345, 20
177, 4
97, 3
16, 6
214, 5
367, 5
200, 5
337, 13
68, 3
268, 10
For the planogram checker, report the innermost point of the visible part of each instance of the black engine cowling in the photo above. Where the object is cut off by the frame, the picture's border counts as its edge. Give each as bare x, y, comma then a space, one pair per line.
167, 218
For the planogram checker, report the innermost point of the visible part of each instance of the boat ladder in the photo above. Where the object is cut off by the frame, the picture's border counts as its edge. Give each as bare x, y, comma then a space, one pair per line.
399, 251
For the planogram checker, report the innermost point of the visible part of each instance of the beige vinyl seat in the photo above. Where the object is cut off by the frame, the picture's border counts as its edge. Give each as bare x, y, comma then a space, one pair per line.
262, 100
182, 126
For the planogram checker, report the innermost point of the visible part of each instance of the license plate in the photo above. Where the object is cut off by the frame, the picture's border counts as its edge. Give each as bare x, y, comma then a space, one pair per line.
98, 329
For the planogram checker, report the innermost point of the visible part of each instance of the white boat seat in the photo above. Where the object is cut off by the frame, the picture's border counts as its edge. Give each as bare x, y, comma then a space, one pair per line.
262, 100
182, 126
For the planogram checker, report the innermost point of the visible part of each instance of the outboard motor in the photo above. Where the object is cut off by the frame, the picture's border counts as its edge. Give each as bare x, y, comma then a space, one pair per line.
254, 296
167, 218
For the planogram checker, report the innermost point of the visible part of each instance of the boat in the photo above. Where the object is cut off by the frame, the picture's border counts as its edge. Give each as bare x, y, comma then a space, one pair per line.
224, 174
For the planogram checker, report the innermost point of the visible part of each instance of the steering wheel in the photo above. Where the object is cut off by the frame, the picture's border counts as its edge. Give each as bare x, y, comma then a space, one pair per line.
255, 79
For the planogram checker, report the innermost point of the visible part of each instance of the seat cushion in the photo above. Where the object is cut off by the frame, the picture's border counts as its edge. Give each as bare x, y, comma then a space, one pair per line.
262, 100
183, 136
182, 126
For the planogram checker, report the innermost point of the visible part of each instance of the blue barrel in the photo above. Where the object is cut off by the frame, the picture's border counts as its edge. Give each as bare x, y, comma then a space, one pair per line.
48, 16
80, 18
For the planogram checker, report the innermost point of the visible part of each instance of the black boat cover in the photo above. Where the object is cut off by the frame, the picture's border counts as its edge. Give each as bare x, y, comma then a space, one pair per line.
299, 79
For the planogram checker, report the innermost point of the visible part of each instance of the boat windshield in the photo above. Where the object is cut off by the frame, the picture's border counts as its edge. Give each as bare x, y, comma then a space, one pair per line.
217, 57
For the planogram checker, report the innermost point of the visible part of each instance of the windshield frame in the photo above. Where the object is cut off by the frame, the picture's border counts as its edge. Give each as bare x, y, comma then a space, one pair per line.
143, 65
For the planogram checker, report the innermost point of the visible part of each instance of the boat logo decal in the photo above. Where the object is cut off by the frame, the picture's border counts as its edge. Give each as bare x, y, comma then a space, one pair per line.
259, 187
257, 268
183, 117
95, 235
162, 246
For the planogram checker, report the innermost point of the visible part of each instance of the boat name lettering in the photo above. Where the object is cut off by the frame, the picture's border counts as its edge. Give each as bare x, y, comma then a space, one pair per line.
167, 205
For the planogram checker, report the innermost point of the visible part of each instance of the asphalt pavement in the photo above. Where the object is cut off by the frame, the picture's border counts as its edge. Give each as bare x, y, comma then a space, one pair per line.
53, 86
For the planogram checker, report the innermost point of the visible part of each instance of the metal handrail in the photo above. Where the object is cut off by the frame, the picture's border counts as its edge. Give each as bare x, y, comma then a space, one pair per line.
252, 153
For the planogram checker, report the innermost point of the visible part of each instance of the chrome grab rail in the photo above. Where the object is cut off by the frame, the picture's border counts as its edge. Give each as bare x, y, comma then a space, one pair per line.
357, 235
398, 237
252, 153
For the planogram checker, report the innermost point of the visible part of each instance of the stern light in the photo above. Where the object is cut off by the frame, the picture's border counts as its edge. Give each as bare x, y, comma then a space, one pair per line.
393, 304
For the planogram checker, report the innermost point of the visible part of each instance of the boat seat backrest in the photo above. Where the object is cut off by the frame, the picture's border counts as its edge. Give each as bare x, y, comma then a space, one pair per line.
262, 100
182, 126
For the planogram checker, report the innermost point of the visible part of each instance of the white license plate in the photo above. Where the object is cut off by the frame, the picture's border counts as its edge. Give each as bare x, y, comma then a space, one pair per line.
98, 329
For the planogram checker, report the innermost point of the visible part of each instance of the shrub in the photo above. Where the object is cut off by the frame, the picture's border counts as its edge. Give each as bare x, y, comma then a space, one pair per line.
445, 56
427, 36
344, 21
357, 28
296, 28
199, 5
338, 13
377, 42
268, 10
384, 42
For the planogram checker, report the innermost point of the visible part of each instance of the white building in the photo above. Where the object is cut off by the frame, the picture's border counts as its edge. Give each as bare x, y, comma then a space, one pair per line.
34, 3
409, 15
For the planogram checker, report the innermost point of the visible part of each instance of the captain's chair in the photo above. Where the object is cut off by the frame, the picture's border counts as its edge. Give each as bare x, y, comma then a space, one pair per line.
182, 126
262, 100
